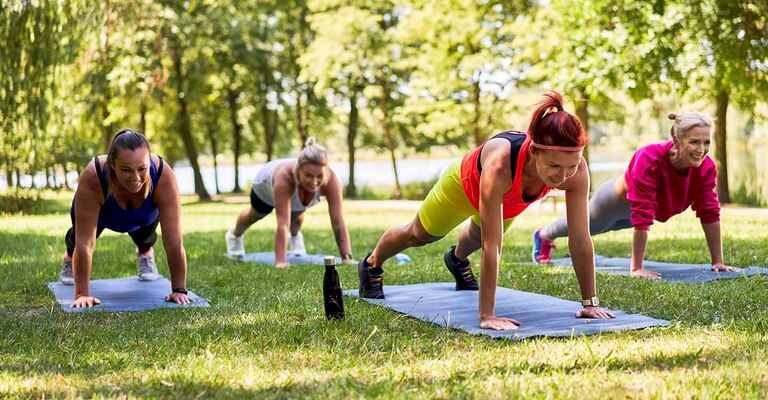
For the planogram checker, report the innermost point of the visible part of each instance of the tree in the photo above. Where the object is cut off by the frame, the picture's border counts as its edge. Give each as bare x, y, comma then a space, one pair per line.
460, 51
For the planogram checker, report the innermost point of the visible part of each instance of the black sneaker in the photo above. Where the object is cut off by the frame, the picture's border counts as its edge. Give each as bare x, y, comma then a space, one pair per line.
371, 281
461, 271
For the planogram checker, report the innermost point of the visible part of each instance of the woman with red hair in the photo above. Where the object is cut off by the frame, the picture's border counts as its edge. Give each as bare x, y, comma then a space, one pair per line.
492, 184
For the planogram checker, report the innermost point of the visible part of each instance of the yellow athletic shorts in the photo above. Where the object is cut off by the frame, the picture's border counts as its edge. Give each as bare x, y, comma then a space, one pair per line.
447, 206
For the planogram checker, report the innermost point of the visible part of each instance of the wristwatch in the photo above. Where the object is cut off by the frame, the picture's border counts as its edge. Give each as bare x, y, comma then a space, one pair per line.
180, 290
593, 301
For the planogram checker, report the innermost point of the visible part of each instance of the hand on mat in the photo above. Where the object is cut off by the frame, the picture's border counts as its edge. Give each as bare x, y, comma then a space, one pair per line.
85, 301
594, 312
498, 323
282, 265
720, 267
349, 261
179, 298
644, 273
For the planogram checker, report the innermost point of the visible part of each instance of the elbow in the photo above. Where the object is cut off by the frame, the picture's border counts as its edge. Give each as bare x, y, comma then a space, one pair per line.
173, 247
85, 248
580, 243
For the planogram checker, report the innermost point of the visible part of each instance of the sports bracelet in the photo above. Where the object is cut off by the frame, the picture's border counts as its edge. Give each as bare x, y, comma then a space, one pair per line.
180, 290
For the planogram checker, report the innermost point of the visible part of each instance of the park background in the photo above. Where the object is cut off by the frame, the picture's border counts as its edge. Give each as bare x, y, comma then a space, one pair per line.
220, 87
224, 86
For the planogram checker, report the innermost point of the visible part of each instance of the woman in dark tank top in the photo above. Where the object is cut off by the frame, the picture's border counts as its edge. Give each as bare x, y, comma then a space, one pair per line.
128, 190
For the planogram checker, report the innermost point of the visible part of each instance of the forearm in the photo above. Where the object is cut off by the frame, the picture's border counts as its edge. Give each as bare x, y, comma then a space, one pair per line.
489, 276
281, 243
81, 270
177, 265
341, 234
583, 255
639, 242
714, 241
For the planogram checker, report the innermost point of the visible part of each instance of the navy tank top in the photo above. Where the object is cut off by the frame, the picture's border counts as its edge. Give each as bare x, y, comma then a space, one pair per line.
118, 219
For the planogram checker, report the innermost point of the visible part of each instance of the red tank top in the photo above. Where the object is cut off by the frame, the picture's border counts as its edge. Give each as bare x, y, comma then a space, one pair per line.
513, 202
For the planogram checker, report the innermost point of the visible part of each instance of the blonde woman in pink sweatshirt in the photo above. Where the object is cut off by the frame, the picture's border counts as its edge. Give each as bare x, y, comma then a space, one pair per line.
662, 180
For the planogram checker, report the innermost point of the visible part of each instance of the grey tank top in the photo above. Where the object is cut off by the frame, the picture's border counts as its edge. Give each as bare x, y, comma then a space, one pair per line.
264, 186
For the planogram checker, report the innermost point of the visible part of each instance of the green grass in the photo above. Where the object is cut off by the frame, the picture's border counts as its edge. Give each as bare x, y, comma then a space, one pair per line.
265, 334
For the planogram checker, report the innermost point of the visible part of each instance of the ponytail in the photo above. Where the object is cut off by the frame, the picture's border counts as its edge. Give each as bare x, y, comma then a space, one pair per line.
553, 128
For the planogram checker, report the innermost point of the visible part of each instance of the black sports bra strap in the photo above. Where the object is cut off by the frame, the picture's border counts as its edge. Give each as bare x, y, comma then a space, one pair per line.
516, 139
102, 178
159, 168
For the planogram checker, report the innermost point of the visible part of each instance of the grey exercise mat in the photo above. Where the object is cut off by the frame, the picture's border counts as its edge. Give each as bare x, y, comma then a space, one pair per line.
269, 258
538, 314
124, 294
670, 272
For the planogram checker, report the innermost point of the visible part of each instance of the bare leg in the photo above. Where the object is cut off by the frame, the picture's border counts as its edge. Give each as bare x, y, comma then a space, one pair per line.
297, 219
470, 240
399, 238
247, 218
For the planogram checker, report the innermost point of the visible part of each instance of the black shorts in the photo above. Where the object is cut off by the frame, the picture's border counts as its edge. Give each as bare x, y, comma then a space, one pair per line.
259, 204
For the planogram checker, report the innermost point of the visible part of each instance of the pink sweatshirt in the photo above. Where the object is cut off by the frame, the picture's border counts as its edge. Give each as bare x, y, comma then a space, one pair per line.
656, 190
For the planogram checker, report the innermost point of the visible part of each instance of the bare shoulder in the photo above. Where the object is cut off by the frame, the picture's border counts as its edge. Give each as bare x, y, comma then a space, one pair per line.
332, 185
579, 181
284, 174
167, 173
496, 153
88, 185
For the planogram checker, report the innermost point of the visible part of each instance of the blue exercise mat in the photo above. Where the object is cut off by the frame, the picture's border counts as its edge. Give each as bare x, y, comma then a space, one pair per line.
538, 314
670, 272
124, 294
269, 258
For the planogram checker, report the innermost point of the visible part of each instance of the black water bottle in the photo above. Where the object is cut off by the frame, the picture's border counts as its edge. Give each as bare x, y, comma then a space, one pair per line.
334, 303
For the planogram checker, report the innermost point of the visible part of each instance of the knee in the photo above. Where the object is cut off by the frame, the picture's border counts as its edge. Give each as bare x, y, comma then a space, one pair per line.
418, 239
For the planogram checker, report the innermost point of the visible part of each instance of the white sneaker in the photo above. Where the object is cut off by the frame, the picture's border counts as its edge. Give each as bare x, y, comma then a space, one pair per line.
296, 245
235, 247
65, 275
147, 267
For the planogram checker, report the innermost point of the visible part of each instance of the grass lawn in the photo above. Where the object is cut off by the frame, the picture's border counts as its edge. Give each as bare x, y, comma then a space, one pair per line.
266, 334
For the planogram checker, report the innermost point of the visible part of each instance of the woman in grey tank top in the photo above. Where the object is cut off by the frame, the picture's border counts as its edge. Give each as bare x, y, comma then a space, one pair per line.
290, 186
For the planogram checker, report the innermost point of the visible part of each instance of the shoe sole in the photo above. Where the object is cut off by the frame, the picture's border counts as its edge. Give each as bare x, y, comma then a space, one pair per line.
67, 282
145, 279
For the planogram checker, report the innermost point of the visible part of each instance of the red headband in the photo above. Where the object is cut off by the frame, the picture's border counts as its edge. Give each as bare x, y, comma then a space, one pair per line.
556, 148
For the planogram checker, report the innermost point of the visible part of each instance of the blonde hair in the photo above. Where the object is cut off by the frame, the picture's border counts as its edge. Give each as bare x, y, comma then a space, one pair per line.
685, 122
125, 139
314, 154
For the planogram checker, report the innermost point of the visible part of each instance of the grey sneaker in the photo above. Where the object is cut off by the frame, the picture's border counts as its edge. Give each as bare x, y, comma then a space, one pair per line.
65, 275
147, 267
296, 245
235, 247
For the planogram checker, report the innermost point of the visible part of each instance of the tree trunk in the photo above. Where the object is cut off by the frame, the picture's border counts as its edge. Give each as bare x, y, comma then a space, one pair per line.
351, 135
64, 171
237, 134
398, 194
185, 127
582, 111
304, 91
721, 154
301, 122
107, 130
475, 127
266, 125
143, 117
215, 152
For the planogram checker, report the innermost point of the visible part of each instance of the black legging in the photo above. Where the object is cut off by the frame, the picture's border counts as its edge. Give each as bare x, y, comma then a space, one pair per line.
144, 237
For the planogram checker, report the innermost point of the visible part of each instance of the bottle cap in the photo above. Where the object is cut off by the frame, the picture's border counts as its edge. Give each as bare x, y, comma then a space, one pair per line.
329, 261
